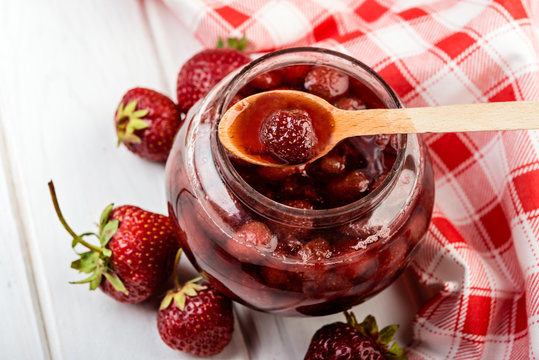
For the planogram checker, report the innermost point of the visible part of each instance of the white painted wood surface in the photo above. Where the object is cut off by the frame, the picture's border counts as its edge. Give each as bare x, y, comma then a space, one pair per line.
21, 332
64, 66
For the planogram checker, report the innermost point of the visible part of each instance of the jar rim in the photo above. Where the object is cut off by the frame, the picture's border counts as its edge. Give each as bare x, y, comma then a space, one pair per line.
295, 216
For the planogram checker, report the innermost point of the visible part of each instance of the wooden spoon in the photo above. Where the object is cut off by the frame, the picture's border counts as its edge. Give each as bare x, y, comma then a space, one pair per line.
241, 138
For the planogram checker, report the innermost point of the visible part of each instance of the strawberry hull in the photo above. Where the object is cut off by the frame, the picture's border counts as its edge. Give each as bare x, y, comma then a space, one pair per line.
288, 242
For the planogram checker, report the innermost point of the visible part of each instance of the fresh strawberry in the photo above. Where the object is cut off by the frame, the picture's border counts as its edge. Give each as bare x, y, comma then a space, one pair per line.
340, 341
195, 318
205, 69
146, 123
326, 82
134, 256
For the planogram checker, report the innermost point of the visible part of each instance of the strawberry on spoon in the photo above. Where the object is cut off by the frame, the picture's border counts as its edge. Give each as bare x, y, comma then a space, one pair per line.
195, 318
135, 253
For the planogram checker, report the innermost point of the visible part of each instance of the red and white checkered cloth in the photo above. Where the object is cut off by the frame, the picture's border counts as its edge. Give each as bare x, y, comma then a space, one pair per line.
482, 248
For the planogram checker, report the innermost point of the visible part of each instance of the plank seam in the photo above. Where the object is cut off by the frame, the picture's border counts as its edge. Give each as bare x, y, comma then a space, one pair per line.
149, 31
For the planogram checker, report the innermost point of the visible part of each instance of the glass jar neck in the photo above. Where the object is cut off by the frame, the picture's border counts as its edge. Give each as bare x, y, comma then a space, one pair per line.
267, 207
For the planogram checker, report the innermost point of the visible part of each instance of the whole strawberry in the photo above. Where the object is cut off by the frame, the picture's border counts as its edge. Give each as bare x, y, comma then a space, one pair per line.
135, 253
196, 319
353, 341
205, 69
146, 123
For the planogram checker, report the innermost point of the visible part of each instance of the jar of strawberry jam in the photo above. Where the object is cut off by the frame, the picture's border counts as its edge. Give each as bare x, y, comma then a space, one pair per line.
313, 239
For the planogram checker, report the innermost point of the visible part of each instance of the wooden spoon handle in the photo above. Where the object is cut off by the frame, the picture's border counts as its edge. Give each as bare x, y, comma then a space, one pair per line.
515, 115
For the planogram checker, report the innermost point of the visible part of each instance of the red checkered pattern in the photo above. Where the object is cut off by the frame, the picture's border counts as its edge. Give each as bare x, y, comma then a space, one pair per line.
482, 248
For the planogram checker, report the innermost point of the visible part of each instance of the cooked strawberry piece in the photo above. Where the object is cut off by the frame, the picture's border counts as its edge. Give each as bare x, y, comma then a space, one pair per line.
289, 136
326, 82
348, 188
333, 163
295, 75
249, 239
299, 204
315, 250
255, 233
267, 81
290, 245
277, 174
350, 103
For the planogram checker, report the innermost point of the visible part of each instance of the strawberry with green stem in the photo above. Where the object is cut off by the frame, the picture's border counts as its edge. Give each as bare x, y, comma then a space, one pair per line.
135, 252
206, 68
354, 341
195, 318
146, 123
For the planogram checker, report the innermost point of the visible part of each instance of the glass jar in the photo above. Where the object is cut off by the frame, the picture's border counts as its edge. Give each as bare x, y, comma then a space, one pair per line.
209, 201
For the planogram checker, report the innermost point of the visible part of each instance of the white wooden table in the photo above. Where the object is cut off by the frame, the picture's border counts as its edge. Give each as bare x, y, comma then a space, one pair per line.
64, 66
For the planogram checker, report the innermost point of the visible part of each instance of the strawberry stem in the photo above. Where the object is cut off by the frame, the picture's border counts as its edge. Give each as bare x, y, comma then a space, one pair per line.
177, 284
64, 223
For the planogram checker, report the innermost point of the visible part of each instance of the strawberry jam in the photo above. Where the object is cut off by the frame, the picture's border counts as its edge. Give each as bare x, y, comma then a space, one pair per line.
289, 129
308, 239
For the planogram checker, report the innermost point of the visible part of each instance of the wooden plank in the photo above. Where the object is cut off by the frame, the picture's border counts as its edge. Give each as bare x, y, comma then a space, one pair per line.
68, 66
22, 333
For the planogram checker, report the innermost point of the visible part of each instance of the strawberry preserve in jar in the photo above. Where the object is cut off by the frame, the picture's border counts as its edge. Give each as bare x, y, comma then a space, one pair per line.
313, 239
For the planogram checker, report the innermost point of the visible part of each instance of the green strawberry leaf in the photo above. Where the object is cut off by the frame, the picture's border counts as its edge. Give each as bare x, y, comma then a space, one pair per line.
89, 279
233, 43
108, 232
105, 217
131, 138
116, 282
242, 43
220, 43
351, 319
386, 335
238, 44
396, 353
76, 240
189, 291
179, 300
94, 284
87, 262
370, 326
139, 114
107, 252
198, 287
136, 124
167, 300
129, 108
